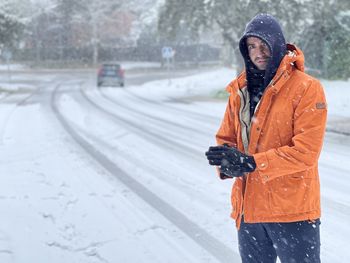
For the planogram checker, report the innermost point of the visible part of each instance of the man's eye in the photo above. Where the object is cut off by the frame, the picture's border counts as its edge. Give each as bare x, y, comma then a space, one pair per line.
250, 47
264, 45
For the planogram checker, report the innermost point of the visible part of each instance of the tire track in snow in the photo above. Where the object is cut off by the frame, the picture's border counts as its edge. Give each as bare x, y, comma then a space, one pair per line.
212, 245
181, 187
174, 133
12, 111
158, 119
338, 132
155, 137
195, 115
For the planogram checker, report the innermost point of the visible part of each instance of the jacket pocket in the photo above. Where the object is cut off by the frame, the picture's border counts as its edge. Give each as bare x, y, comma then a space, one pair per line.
292, 194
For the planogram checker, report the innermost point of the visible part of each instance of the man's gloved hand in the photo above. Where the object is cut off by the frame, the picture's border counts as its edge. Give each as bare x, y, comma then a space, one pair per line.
232, 162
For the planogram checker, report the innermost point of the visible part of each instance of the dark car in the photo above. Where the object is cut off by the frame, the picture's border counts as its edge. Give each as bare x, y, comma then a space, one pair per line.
110, 74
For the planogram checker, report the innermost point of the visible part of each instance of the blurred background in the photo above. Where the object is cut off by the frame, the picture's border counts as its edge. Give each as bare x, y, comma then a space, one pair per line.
95, 169
83, 33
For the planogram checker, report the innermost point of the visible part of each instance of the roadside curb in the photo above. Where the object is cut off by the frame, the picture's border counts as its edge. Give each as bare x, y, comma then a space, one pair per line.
339, 125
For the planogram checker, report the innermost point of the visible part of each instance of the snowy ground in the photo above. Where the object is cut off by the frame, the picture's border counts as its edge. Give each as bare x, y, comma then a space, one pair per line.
119, 175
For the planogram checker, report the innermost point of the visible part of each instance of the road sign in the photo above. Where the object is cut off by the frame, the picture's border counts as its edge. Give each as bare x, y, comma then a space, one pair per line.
167, 52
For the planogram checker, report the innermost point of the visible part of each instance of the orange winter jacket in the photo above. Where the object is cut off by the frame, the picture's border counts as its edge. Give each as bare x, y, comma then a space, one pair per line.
285, 136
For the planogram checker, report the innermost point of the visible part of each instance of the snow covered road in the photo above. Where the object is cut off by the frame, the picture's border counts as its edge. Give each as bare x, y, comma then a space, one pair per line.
119, 175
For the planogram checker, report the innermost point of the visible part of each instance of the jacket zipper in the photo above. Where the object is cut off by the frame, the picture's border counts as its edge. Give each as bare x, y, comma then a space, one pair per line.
268, 86
244, 177
245, 124
248, 135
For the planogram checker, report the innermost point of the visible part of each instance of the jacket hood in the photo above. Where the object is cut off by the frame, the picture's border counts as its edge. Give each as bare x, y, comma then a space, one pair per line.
293, 59
265, 27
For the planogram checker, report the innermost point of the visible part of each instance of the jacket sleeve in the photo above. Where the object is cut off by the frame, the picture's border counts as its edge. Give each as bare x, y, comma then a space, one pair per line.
227, 132
309, 127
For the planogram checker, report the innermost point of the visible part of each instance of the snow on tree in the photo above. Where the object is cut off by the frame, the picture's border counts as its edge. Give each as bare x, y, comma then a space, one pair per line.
309, 25
11, 25
326, 41
230, 16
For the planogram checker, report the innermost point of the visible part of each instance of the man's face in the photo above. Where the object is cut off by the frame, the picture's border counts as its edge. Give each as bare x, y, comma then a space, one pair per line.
259, 52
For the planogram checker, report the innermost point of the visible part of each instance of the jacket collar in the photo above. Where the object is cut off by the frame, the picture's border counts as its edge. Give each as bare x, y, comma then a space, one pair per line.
294, 59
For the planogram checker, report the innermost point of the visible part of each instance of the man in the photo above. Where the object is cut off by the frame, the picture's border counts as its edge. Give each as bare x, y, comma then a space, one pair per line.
270, 140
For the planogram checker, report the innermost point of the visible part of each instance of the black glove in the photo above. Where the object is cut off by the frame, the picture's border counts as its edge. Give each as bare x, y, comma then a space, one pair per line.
232, 162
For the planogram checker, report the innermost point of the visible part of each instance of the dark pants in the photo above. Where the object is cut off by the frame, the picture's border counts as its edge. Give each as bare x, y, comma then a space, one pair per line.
297, 242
